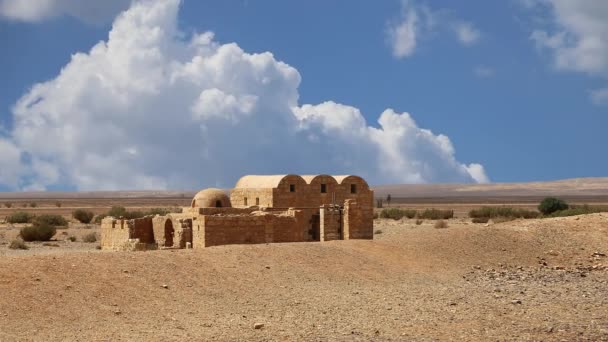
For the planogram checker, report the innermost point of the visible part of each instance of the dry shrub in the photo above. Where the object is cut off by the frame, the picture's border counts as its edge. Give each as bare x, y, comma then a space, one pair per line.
481, 219
18, 244
493, 212
72, 238
441, 224
419, 222
51, 220
83, 216
90, 238
20, 217
436, 214
41, 232
397, 214
378, 231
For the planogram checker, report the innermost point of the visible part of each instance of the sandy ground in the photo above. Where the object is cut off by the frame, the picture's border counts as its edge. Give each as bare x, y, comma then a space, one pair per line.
526, 280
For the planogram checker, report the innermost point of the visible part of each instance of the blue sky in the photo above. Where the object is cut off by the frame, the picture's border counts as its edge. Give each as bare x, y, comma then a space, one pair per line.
515, 95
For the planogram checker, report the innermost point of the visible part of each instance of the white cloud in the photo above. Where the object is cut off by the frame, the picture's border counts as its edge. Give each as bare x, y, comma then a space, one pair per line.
148, 110
403, 34
10, 163
600, 97
418, 21
578, 36
38, 10
483, 71
466, 33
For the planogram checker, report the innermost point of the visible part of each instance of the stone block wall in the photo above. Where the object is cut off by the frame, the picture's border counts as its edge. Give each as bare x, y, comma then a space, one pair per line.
358, 223
242, 198
120, 234
258, 227
331, 223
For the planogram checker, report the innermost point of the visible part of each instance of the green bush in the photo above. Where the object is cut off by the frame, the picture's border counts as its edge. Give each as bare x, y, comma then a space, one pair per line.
41, 232
51, 220
436, 214
397, 214
8, 204
117, 212
33, 205
58, 204
89, 238
580, 210
83, 216
551, 204
20, 217
494, 212
18, 244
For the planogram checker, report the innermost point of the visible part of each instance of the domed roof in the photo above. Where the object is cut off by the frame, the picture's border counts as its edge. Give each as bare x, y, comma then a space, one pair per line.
211, 198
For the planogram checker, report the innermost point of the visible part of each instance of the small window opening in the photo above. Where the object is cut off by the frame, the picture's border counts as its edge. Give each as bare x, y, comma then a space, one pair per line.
323, 188
193, 203
353, 188
292, 188
218, 204
245, 201
257, 201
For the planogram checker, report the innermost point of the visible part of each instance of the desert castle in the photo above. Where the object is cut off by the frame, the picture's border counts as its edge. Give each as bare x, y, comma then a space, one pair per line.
260, 209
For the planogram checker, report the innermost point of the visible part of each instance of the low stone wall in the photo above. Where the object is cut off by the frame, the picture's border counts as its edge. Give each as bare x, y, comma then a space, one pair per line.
121, 234
258, 227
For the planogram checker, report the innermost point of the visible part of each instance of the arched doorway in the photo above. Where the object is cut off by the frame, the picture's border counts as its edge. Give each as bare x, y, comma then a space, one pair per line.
218, 204
169, 232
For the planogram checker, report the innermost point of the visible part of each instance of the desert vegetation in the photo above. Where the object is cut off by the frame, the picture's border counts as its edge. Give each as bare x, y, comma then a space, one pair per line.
51, 220
483, 214
20, 217
83, 216
427, 214
39, 232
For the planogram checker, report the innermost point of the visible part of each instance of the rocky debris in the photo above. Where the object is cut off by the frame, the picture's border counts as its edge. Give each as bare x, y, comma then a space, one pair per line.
258, 325
164, 286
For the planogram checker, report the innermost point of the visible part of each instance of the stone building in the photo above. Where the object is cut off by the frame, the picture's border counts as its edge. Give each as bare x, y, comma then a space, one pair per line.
260, 209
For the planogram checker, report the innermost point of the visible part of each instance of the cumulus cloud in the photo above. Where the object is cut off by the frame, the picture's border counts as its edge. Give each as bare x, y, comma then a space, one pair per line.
576, 36
466, 33
150, 109
38, 10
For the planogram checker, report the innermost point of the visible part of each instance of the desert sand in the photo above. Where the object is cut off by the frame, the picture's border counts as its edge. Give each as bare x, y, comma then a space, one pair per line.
524, 280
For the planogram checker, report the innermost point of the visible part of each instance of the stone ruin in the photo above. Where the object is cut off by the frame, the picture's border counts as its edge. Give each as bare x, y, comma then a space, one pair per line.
260, 209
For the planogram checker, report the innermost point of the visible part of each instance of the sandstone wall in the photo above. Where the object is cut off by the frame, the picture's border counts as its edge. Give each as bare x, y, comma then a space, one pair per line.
120, 234
252, 196
258, 227
331, 223
358, 223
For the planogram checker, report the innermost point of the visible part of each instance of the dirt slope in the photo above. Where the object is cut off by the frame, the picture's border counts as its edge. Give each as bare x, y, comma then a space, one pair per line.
521, 280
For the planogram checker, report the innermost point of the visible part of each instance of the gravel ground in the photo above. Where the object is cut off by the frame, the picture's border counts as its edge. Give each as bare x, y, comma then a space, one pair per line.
532, 280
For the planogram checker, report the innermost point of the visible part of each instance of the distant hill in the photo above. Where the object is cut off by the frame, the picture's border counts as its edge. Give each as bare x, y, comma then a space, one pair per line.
578, 187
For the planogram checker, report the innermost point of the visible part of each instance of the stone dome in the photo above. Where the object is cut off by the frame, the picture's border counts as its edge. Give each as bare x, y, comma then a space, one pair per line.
211, 198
